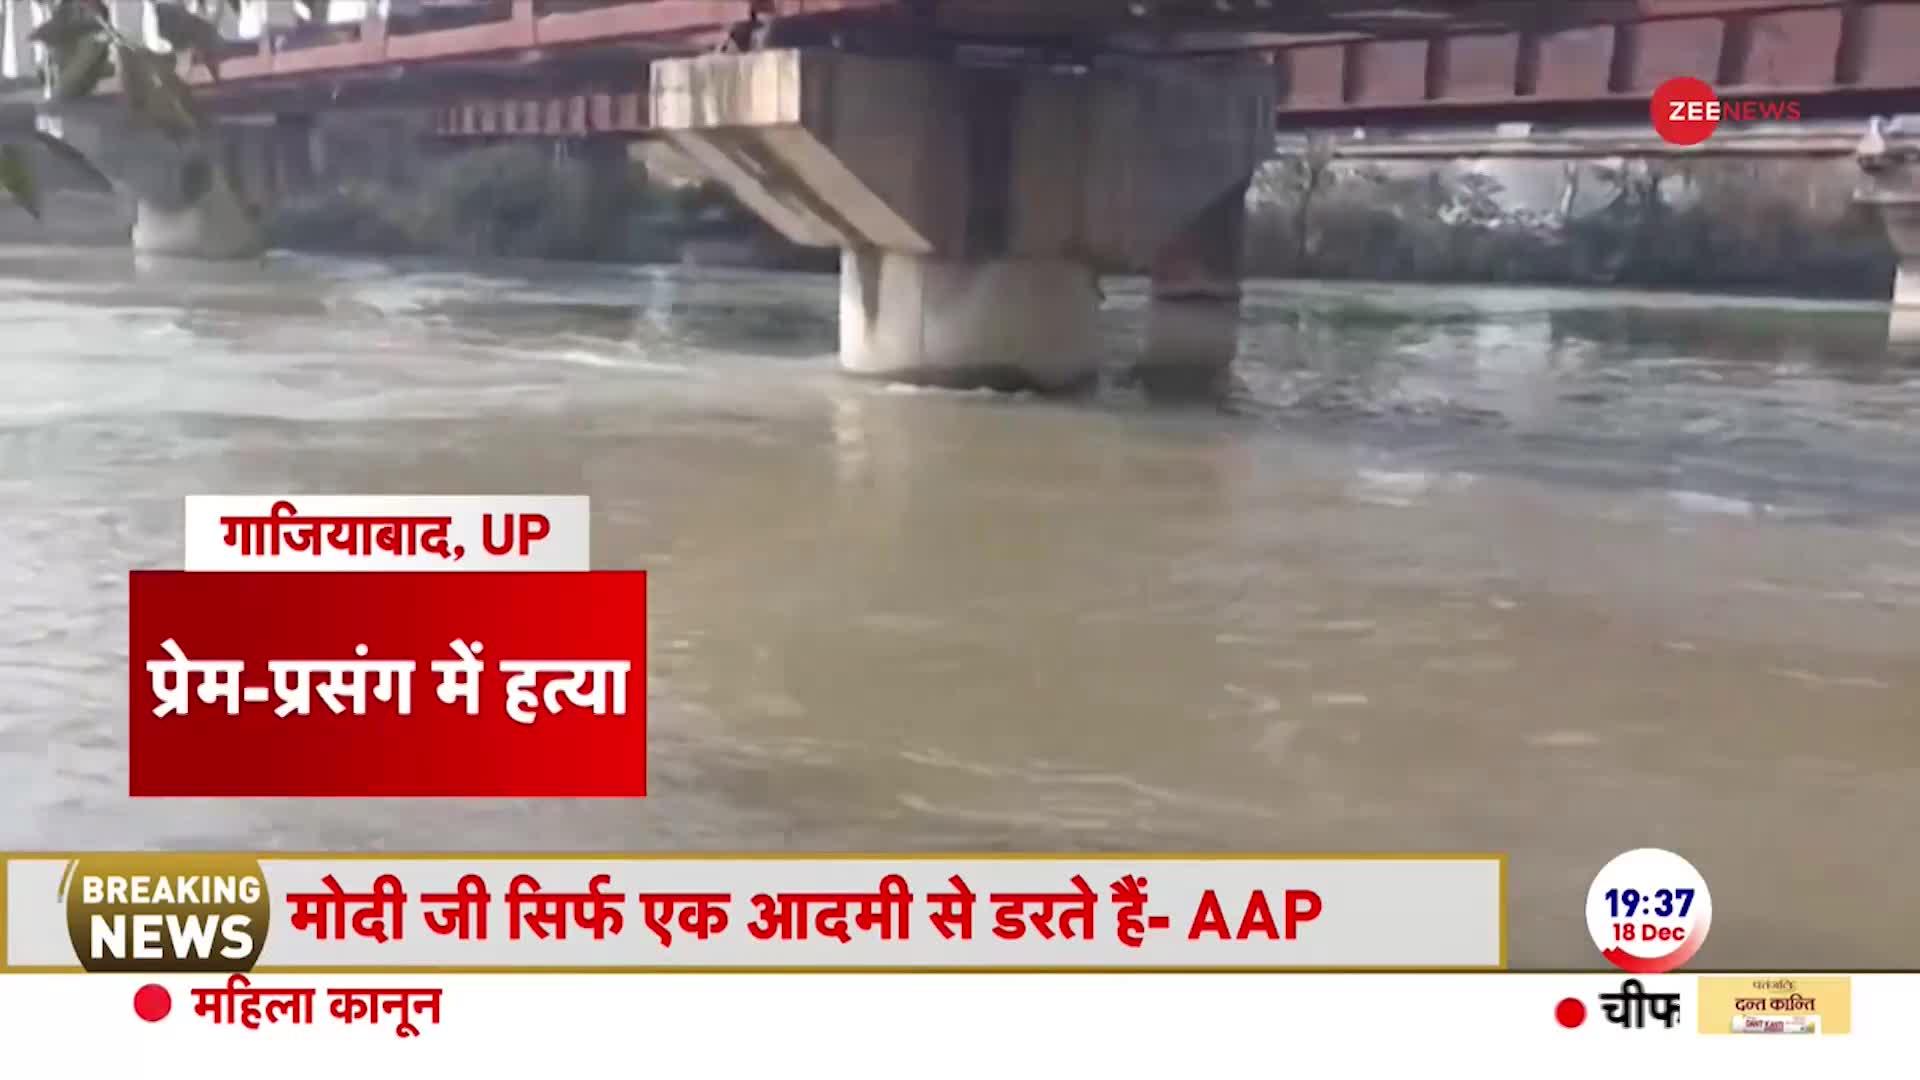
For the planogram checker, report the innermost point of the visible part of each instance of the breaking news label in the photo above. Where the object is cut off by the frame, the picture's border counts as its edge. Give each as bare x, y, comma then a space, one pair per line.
253, 931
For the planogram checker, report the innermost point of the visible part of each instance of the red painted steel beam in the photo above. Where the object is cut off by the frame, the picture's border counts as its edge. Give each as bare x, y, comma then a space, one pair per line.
622, 113
1483, 58
679, 26
1743, 50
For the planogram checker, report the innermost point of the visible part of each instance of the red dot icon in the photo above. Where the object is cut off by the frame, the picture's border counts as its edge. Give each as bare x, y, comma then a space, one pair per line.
152, 1003
1685, 111
1570, 1012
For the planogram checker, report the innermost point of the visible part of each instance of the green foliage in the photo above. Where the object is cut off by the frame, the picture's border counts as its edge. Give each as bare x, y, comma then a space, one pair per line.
16, 176
1775, 225
189, 34
83, 50
69, 23
157, 94
87, 62
85, 169
517, 200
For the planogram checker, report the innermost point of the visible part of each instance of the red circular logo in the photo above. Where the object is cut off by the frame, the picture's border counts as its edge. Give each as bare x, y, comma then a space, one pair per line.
1685, 111
152, 1003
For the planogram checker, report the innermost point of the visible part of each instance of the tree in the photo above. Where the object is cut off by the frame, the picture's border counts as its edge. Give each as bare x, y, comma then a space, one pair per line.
83, 49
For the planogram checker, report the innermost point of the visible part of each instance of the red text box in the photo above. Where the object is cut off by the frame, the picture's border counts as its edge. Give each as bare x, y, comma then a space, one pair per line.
551, 650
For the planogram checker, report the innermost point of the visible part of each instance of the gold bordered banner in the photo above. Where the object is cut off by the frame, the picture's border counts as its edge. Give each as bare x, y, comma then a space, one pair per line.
228, 912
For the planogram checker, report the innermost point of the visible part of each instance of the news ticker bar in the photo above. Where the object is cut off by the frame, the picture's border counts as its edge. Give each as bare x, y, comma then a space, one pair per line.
1516, 1012
268, 913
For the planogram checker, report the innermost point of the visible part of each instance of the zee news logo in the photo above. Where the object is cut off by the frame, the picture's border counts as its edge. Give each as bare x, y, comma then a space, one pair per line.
168, 913
1686, 111
1747, 111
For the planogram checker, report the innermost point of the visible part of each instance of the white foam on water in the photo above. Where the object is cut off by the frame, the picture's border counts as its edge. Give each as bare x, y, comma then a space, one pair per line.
1700, 502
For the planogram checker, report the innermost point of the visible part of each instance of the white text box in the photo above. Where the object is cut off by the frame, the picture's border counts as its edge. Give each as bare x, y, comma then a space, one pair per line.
386, 532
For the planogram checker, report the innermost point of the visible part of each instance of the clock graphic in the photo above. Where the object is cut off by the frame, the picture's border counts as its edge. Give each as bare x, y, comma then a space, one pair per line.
1649, 911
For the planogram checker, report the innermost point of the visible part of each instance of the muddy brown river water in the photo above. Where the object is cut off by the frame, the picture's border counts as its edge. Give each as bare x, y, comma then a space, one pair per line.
1553, 573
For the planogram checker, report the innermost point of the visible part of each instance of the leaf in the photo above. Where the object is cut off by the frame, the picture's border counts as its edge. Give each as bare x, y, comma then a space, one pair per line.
189, 33
59, 148
16, 177
135, 81
81, 70
174, 92
71, 21
155, 92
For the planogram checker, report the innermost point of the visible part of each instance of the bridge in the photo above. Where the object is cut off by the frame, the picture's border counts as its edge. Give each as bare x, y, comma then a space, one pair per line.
980, 162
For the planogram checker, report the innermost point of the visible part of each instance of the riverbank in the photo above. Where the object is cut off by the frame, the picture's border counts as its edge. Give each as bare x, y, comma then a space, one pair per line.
1732, 225
1787, 226
382, 189
523, 200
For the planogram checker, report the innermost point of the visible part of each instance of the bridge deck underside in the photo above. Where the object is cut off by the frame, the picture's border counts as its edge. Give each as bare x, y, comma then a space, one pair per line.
568, 67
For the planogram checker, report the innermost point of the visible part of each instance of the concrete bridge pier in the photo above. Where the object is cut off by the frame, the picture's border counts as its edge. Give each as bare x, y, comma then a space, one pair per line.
1193, 316
270, 159
1890, 168
184, 202
1005, 323
1903, 229
608, 163
976, 207
295, 166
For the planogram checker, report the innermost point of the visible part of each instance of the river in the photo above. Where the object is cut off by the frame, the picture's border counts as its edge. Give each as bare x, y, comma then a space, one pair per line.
1555, 573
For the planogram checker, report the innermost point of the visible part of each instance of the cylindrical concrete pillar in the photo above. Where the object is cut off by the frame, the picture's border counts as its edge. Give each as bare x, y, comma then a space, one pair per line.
1193, 317
1903, 325
216, 226
292, 149
1005, 324
1902, 218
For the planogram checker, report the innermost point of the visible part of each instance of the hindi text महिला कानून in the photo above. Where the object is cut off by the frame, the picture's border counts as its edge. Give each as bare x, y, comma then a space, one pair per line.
342, 685
240, 1002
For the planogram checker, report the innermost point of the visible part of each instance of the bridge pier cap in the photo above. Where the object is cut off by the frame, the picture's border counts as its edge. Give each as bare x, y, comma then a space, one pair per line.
976, 204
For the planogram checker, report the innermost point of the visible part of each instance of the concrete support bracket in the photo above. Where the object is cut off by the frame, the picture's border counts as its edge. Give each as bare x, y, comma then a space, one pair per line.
976, 205
917, 156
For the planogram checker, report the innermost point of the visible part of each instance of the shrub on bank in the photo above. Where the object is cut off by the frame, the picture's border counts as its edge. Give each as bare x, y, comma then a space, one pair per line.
1787, 226
521, 200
